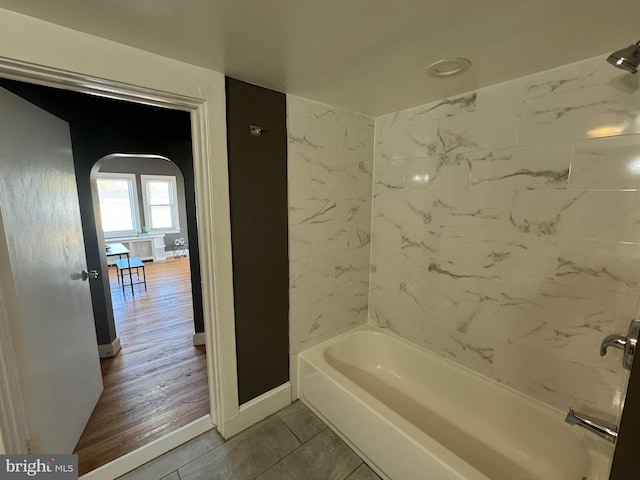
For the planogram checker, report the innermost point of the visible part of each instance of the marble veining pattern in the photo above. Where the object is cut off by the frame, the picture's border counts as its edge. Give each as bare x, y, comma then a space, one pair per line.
520, 168
330, 173
505, 233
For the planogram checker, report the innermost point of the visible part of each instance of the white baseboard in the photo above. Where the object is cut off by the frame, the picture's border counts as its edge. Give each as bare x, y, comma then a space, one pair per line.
110, 349
199, 338
257, 409
142, 455
293, 375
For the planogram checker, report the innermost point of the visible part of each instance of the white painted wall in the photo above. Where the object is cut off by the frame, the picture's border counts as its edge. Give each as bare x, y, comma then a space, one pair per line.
35, 41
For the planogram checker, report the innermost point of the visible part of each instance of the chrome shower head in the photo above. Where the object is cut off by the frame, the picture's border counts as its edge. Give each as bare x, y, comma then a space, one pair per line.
627, 59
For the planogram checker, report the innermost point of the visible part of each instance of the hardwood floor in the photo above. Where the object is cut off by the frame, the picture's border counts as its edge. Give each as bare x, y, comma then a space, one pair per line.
158, 381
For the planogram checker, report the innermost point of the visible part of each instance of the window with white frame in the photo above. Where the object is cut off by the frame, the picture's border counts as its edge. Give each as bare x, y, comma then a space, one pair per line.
160, 199
118, 204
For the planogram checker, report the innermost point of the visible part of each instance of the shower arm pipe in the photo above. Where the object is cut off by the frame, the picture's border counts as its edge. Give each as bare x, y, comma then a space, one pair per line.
601, 428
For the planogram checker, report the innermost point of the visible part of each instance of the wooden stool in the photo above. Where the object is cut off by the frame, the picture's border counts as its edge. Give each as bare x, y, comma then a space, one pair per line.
125, 265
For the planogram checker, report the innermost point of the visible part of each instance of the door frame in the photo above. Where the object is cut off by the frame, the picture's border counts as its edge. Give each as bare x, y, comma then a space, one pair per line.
215, 267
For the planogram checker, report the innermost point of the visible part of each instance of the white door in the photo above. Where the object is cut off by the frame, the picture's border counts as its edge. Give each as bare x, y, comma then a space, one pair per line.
41, 257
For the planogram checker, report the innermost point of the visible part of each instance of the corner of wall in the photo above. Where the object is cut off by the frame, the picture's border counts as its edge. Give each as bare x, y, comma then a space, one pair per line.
330, 159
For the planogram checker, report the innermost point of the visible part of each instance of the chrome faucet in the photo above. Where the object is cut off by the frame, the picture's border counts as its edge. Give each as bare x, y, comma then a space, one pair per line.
601, 428
616, 340
627, 344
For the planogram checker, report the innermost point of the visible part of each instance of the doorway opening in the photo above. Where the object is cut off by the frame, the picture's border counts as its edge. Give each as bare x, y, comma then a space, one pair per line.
166, 133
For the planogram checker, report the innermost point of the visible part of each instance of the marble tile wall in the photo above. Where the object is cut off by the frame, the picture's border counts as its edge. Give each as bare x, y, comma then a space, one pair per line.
506, 230
330, 163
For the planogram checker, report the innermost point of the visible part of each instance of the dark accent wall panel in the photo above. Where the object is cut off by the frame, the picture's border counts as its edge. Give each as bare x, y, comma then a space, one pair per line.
259, 235
625, 460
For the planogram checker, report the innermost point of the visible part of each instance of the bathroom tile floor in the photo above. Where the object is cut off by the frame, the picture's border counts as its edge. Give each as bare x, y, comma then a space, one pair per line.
290, 445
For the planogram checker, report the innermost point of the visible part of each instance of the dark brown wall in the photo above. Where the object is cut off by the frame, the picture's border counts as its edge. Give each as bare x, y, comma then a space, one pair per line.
626, 461
259, 232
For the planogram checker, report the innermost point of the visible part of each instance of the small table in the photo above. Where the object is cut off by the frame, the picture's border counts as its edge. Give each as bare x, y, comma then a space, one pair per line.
117, 249
129, 264
120, 250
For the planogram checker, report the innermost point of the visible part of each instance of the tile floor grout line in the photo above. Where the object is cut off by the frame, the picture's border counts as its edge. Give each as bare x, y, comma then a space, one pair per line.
295, 449
178, 464
302, 444
289, 428
354, 470
294, 433
224, 441
278, 461
316, 434
274, 464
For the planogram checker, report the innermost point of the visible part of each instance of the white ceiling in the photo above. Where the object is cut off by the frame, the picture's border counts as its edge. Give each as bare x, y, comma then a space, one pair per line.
369, 56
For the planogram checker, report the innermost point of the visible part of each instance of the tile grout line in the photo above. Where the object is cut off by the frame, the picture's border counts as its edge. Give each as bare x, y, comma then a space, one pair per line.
302, 444
294, 433
353, 471
292, 451
200, 456
287, 426
226, 441
281, 459
308, 440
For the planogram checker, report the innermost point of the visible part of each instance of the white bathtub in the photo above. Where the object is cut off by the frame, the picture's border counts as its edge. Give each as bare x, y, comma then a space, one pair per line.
414, 415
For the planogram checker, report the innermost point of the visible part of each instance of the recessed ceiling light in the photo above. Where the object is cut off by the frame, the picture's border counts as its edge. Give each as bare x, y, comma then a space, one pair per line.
448, 67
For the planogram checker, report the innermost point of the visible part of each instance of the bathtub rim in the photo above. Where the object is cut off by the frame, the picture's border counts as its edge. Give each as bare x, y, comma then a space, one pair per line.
412, 434
438, 358
380, 411
314, 356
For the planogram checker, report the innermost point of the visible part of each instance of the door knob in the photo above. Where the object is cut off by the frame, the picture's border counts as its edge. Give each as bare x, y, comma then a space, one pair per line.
90, 274
628, 343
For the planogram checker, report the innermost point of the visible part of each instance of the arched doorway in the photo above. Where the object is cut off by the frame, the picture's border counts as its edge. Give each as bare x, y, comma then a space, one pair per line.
154, 372
95, 131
